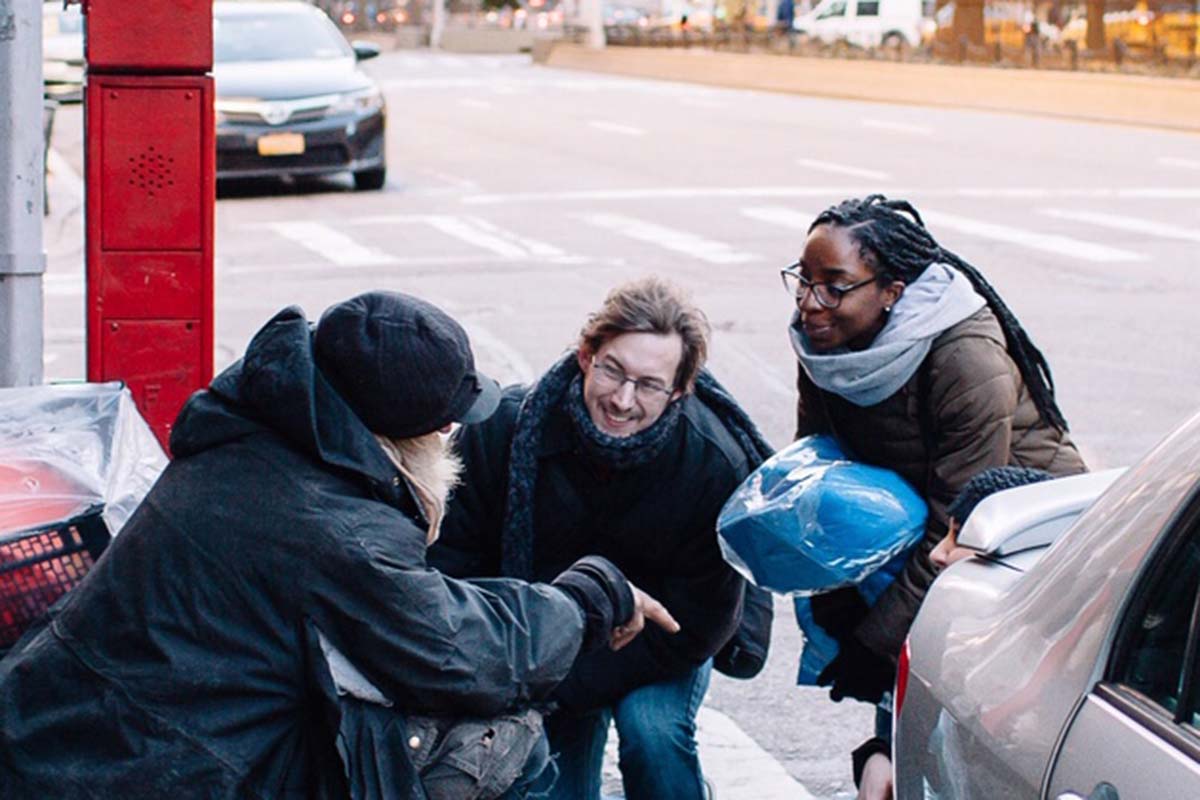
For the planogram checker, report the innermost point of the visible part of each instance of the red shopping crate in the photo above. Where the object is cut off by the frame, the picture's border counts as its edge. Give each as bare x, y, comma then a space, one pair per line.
39, 566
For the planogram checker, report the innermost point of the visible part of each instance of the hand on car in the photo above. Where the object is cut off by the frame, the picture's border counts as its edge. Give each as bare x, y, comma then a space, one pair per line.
645, 608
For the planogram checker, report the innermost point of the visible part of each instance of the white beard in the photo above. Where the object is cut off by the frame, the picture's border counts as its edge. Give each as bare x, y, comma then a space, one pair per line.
431, 467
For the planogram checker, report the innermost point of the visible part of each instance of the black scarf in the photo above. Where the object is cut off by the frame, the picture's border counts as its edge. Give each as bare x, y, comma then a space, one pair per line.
618, 452
563, 383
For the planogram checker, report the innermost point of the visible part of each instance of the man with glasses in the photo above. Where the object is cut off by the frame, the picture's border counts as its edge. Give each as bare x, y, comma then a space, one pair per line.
627, 449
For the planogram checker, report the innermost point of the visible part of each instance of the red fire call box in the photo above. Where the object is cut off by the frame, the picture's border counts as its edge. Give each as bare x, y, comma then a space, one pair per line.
150, 161
149, 36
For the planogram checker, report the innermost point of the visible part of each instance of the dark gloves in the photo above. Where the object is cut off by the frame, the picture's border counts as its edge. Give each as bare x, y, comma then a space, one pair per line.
839, 611
603, 593
857, 672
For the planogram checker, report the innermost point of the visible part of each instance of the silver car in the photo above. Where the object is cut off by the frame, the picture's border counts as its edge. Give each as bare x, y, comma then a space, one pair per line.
1063, 661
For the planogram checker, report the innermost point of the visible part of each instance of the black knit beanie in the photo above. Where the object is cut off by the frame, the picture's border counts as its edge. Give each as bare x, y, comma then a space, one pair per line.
402, 364
990, 481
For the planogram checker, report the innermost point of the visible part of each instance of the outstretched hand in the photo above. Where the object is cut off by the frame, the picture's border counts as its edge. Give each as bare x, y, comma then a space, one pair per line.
645, 608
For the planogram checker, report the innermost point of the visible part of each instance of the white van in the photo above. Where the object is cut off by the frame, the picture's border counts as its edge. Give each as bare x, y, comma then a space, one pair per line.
865, 23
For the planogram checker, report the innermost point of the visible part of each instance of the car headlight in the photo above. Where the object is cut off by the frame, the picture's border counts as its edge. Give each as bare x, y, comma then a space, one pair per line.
362, 102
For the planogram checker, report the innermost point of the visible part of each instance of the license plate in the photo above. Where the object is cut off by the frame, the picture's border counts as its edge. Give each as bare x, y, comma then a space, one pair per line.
281, 144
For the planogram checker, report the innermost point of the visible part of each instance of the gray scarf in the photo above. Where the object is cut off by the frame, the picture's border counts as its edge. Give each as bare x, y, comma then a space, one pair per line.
939, 299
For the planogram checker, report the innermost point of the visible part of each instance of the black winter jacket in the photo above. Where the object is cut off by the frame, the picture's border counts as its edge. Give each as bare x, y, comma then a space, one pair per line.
187, 664
656, 522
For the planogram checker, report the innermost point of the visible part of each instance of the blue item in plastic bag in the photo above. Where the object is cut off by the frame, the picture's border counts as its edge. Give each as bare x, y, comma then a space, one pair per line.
809, 520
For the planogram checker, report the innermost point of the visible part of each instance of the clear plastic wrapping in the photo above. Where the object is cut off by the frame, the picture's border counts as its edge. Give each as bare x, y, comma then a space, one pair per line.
810, 520
69, 449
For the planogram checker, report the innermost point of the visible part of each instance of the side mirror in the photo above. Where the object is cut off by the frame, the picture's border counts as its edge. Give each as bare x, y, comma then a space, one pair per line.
364, 50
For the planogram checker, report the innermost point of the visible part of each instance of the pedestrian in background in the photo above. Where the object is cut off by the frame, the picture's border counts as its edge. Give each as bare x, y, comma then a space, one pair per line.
627, 449
266, 622
910, 358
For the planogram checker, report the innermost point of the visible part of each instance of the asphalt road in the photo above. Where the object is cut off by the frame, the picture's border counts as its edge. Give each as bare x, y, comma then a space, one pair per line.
518, 195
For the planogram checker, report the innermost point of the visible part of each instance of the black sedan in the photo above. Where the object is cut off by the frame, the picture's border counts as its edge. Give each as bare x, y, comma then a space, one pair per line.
291, 99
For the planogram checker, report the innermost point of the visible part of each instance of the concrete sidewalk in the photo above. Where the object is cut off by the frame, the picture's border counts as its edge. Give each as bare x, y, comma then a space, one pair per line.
1171, 103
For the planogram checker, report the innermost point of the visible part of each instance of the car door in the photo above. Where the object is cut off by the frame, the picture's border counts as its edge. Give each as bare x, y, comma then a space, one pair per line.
1136, 736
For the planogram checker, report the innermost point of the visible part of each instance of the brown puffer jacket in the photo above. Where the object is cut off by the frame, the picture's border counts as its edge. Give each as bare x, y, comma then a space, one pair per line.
979, 414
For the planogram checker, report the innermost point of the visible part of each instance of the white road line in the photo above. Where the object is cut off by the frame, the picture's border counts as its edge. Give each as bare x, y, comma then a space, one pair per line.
535, 248
834, 193
330, 244
505, 362
321, 268
899, 127
737, 766
1123, 223
471, 102
844, 169
702, 102
476, 231
615, 127
1186, 163
464, 230
780, 215
1048, 242
709, 250
454, 62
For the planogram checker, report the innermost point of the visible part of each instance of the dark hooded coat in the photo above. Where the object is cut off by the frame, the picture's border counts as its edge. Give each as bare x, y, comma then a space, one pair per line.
188, 664
656, 522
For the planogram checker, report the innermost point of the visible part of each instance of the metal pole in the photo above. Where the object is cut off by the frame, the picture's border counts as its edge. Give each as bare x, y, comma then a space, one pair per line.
22, 257
438, 25
593, 18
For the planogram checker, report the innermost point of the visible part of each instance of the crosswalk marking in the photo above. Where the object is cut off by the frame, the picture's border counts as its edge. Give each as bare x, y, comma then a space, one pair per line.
330, 244
614, 127
1121, 222
899, 127
833, 193
780, 215
709, 250
843, 169
1186, 163
737, 766
1047, 242
478, 232
733, 763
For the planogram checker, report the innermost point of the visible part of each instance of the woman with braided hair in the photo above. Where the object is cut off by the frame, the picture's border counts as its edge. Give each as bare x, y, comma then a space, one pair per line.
909, 357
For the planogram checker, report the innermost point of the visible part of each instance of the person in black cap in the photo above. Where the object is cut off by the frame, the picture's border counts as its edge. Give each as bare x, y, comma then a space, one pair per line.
266, 626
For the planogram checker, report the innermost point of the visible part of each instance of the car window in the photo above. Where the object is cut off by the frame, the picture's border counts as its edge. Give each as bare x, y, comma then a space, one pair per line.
276, 37
867, 8
834, 10
1153, 655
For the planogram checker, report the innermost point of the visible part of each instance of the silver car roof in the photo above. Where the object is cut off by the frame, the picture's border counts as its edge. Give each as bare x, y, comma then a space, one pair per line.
1032, 516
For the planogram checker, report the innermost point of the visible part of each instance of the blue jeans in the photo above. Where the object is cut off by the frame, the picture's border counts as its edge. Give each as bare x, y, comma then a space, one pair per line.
656, 727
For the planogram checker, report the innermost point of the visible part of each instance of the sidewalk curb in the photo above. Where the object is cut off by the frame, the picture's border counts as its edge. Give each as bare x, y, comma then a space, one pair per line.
1167, 103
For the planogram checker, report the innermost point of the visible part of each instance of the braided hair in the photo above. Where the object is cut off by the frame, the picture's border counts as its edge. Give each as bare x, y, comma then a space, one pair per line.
896, 246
